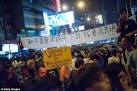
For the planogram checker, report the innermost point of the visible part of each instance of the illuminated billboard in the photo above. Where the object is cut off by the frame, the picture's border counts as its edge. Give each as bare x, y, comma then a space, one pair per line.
10, 48
59, 19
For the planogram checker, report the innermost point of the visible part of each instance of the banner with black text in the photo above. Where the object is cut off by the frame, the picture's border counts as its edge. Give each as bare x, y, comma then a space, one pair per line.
97, 34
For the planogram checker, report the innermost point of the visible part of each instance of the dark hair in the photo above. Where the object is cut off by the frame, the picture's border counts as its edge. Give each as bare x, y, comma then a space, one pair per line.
78, 63
48, 83
87, 76
38, 66
8, 82
80, 56
94, 56
131, 40
112, 71
5, 62
3, 77
114, 52
122, 10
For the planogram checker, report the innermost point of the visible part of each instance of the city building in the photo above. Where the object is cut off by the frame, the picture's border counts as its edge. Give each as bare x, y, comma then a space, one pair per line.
25, 17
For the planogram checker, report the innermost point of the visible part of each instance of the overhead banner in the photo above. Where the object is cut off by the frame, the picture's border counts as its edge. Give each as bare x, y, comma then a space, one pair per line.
56, 57
97, 34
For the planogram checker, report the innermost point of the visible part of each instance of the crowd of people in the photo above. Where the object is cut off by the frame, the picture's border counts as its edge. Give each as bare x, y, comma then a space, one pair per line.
108, 67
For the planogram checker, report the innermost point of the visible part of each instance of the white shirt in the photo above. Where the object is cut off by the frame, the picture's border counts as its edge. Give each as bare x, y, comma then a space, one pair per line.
86, 60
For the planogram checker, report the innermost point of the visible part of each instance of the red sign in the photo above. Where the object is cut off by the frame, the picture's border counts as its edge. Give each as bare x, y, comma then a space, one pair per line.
56, 5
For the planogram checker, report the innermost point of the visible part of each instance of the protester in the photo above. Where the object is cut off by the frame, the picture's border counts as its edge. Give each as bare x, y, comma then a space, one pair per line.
130, 54
31, 67
114, 58
91, 78
8, 80
96, 60
64, 77
87, 74
49, 83
126, 26
119, 77
42, 72
78, 65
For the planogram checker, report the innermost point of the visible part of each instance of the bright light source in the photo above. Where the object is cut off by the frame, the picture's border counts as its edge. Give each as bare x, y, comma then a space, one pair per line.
64, 7
81, 4
81, 18
44, 49
99, 19
88, 18
92, 42
46, 24
68, 45
81, 28
72, 30
107, 41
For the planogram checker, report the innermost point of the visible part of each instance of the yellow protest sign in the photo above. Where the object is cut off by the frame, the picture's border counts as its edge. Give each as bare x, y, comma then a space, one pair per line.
56, 57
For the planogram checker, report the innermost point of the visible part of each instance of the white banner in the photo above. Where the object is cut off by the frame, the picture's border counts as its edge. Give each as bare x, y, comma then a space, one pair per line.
101, 33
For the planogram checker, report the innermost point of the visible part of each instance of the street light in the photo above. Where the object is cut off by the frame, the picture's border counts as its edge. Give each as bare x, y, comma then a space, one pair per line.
88, 18
81, 18
64, 7
81, 4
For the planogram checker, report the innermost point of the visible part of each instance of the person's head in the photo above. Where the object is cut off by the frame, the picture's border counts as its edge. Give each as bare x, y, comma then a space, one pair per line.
119, 53
117, 74
31, 63
127, 42
79, 63
3, 75
42, 72
8, 79
91, 78
5, 62
14, 64
80, 56
48, 83
114, 52
94, 58
123, 14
